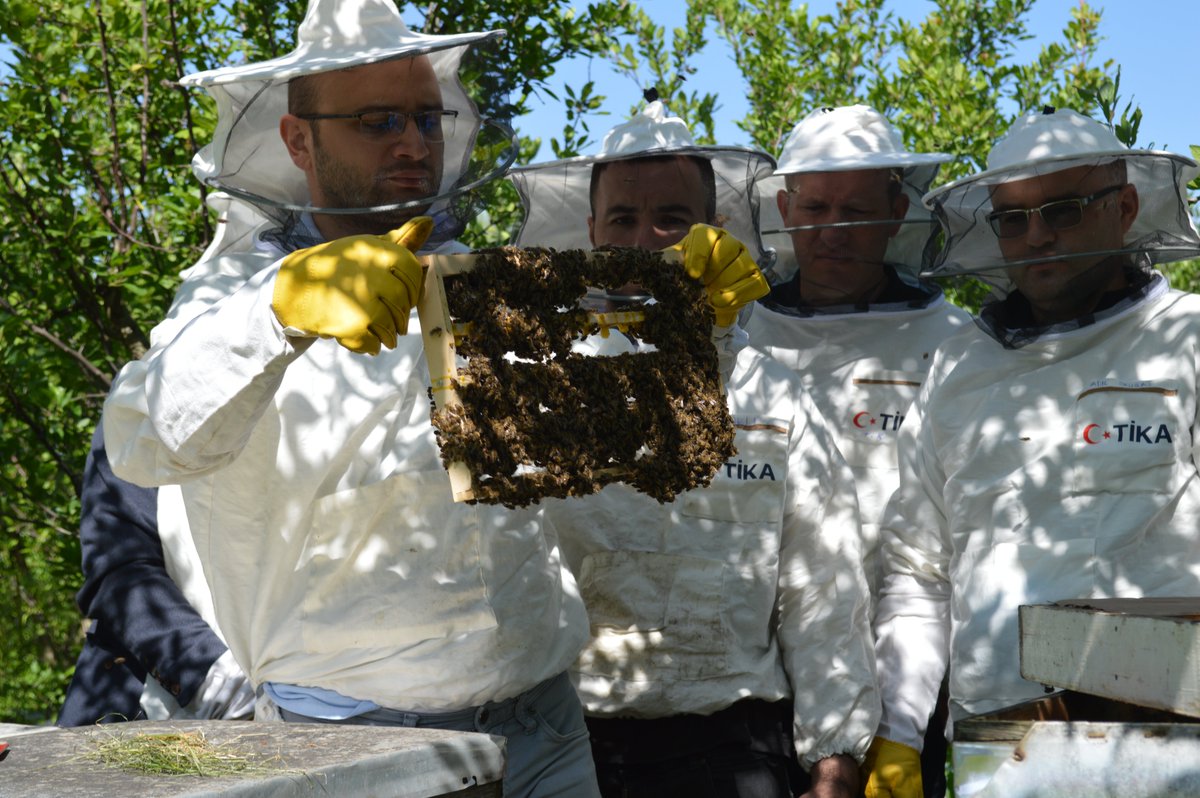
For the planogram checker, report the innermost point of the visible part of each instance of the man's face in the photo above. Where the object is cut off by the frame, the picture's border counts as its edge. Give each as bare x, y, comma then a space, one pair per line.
349, 166
647, 203
1069, 288
841, 265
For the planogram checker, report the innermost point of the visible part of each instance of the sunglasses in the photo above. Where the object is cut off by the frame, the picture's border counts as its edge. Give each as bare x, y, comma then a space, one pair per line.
1058, 215
433, 126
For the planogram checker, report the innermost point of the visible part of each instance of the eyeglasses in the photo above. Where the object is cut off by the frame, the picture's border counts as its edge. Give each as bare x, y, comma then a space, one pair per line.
433, 126
1058, 215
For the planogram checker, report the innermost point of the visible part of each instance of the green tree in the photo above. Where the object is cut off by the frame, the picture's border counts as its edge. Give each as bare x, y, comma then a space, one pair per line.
101, 214
641, 47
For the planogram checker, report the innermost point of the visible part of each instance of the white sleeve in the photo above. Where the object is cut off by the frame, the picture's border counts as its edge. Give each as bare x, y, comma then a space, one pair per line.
824, 601
728, 341
912, 620
189, 404
225, 694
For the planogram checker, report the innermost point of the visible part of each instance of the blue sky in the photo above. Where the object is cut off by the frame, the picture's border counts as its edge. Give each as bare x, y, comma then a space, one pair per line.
1155, 42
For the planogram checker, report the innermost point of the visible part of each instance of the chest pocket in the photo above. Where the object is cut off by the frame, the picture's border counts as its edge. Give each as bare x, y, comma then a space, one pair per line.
867, 421
383, 571
654, 615
751, 487
1127, 439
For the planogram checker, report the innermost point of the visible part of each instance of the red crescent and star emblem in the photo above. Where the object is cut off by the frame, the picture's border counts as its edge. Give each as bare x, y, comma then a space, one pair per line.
859, 415
1087, 431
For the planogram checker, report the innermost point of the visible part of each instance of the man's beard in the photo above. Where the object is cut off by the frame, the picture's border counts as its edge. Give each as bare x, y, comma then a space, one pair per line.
345, 189
1070, 295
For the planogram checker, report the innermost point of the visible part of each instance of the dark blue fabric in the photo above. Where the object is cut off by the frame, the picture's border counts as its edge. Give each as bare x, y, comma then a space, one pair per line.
142, 624
742, 751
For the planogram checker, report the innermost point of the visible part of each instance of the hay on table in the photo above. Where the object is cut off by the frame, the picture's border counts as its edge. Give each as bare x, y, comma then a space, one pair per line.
175, 754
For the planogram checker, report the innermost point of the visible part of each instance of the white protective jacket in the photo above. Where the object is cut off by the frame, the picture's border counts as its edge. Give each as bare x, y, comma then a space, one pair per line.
863, 371
751, 587
322, 513
1063, 469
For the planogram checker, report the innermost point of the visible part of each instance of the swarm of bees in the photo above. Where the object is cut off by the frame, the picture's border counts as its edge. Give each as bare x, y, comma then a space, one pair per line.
531, 417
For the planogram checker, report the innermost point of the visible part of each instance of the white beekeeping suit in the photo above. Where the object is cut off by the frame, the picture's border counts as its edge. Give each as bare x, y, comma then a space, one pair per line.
752, 587
315, 492
1043, 462
862, 362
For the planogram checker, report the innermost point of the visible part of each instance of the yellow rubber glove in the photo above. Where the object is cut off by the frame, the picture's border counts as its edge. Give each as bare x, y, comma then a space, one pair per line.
357, 290
721, 263
892, 770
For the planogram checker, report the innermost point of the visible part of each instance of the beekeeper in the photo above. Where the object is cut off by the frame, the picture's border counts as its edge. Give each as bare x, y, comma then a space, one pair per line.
847, 311
729, 629
1050, 453
348, 585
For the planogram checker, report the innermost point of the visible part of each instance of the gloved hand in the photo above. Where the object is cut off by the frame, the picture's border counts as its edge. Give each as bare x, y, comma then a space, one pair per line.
892, 770
358, 290
721, 263
225, 693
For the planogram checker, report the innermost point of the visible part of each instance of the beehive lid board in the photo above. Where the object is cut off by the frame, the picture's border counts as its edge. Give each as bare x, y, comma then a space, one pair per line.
1142, 651
298, 759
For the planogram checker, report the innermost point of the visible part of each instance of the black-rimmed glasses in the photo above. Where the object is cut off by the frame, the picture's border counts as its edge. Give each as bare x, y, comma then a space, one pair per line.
433, 126
1058, 215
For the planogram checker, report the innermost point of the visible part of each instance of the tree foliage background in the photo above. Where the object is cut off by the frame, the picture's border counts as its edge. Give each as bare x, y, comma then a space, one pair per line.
102, 212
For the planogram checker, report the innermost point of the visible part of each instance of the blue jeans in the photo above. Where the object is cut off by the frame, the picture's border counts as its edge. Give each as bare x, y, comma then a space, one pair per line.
548, 753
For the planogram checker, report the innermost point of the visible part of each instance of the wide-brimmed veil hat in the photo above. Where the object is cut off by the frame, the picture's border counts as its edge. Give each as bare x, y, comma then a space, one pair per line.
247, 157
845, 139
1038, 144
556, 197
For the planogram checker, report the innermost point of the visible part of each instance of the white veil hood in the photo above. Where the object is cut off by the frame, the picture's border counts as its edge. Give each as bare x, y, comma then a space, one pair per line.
555, 195
1048, 142
844, 139
247, 157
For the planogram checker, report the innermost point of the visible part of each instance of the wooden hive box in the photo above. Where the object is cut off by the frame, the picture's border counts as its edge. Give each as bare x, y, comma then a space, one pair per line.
1144, 651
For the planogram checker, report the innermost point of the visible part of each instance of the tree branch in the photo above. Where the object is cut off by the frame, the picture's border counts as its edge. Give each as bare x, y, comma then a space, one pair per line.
118, 178
89, 368
189, 124
144, 121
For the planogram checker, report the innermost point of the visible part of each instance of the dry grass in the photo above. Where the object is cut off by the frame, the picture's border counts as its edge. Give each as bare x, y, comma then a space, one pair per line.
176, 754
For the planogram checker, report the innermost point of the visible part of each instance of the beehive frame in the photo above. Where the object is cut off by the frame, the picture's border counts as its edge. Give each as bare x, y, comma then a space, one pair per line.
504, 422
